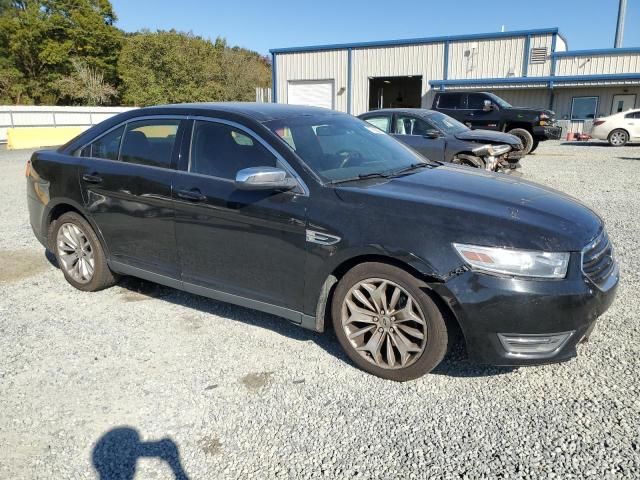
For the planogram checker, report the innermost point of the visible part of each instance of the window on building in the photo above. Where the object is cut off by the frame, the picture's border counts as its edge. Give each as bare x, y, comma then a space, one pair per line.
149, 142
381, 122
584, 108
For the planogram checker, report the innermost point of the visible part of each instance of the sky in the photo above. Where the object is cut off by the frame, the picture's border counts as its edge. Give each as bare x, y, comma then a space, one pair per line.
261, 25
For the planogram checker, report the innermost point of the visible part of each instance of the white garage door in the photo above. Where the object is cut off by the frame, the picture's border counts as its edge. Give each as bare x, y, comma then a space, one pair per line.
317, 93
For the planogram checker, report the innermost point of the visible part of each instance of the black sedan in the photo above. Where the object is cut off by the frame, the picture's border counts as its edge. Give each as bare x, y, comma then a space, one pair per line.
315, 216
442, 138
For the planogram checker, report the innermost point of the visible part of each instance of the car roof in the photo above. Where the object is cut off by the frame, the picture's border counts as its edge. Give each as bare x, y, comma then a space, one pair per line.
261, 112
413, 111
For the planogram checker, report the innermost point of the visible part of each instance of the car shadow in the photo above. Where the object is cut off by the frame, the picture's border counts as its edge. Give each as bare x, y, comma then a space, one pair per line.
455, 363
116, 453
628, 158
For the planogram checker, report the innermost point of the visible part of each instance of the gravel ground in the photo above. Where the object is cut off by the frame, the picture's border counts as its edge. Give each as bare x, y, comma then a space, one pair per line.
146, 378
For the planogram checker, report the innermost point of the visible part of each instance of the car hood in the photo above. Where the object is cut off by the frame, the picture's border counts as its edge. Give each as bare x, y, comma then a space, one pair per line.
488, 136
468, 205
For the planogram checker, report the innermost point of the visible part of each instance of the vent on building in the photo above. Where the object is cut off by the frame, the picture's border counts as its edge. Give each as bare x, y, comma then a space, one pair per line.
538, 55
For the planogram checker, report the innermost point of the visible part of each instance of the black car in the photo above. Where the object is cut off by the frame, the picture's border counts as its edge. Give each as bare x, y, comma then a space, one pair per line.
490, 112
444, 139
317, 216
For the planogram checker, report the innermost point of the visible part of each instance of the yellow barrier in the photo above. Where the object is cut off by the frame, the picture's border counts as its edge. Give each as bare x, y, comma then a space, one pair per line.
34, 137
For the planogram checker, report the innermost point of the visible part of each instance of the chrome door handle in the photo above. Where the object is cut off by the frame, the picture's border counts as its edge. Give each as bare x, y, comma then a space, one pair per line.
93, 178
191, 195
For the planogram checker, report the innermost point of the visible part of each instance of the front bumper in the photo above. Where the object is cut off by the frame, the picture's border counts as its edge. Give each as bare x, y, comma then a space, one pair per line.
547, 132
489, 308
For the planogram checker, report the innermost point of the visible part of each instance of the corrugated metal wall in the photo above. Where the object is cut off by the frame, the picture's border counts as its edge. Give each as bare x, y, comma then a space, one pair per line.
325, 65
540, 69
599, 64
497, 58
534, 98
426, 60
563, 97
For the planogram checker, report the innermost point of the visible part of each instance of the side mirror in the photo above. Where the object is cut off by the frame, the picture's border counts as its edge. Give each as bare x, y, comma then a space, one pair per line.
264, 178
487, 106
432, 133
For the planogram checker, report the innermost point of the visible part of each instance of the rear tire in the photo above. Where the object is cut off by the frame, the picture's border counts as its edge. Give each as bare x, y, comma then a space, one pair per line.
525, 137
618, 138
79, 253
387, 324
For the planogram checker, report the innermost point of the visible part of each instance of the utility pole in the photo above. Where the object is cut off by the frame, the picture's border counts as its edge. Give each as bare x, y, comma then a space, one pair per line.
622, 10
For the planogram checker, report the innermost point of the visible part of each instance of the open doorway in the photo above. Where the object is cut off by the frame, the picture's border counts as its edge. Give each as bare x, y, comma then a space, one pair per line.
395, 92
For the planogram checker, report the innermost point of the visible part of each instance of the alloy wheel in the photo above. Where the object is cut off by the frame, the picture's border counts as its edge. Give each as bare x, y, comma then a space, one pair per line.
75, 253
384, 323
618, 138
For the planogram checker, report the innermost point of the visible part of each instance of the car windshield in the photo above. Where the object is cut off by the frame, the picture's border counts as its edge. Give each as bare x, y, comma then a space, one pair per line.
339, 147
446, 124
499, 101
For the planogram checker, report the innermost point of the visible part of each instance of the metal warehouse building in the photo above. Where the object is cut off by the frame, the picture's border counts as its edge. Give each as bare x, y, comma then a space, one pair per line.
527, 68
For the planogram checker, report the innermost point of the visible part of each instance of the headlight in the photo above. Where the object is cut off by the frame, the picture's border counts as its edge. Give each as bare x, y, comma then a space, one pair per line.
523, 263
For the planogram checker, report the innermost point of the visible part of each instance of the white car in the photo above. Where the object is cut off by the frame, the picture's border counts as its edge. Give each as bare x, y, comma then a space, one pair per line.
618, 129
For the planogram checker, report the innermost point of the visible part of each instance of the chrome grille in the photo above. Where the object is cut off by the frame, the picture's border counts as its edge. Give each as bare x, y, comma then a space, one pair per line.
597, 259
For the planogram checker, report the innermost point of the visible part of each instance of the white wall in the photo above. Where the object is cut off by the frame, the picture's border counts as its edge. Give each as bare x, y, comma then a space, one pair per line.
323, 65
425, 60
49, 116
598, 64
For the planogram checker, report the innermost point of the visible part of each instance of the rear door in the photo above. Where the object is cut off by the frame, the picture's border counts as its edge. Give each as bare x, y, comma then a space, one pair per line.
383, 122
245, 243
452, 104
412, 130
126, 177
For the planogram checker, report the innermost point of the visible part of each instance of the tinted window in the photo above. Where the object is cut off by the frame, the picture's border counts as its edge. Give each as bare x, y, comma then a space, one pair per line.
451, 100
220, 150
149, 142
106, 146
381, 122
406, 125
632, 115
476, 101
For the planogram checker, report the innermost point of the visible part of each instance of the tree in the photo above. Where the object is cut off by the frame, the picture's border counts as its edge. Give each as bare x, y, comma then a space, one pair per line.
173, 67
86, 84
40, 37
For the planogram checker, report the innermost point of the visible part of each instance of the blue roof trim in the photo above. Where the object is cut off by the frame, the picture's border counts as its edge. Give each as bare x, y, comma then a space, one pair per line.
417, 41
595, 52
555, 79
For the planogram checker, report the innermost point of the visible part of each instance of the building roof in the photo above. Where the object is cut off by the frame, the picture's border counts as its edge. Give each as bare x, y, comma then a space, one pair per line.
419, 41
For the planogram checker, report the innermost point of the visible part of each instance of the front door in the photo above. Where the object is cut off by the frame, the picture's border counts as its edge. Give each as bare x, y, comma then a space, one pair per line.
479, 118
126, 177
415, 132
250, 244
622, 103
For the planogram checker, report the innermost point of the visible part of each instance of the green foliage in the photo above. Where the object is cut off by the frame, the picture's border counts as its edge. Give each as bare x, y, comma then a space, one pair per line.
69, 51
174, 67
86, 85
38, 39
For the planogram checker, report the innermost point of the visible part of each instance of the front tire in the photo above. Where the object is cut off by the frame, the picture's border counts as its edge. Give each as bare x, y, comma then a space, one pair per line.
79, 254
387, 324
536, 142
525, 137
618, 138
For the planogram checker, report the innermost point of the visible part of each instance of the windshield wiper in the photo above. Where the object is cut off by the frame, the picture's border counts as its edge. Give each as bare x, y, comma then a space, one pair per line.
362, 176
410, 168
